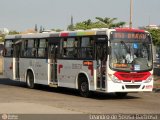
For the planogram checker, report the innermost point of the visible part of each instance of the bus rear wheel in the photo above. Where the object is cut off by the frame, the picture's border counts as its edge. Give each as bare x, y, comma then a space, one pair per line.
30, 80
84, 87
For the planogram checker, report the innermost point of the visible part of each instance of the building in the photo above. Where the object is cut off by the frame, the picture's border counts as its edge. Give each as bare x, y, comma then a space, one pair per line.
152, 27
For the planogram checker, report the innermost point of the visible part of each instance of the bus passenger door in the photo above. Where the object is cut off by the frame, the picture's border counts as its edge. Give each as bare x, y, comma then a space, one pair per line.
8, 59
53, 51
101, 57
17, 48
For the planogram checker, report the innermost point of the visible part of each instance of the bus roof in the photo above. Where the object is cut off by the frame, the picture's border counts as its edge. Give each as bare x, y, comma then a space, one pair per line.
60, 34
30, 35
99, 31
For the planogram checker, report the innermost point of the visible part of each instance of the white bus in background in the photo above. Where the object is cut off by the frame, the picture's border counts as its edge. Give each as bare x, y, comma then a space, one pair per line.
101, 60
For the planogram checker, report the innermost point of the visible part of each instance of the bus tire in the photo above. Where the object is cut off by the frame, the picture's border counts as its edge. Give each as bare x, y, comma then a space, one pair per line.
121, 94
30, 80
83, 87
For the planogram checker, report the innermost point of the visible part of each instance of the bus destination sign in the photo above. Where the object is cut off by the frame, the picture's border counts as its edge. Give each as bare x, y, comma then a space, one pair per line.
129, 35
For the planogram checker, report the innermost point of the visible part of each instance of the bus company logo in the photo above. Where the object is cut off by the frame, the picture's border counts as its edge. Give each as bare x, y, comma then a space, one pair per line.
133, 81
4, 116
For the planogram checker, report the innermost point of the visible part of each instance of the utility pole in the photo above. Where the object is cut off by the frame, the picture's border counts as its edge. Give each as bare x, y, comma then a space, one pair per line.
35, 28
41, 29
131, 13
72, 24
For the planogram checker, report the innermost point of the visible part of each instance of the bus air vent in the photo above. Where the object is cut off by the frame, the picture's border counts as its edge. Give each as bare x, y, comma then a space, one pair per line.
132, 86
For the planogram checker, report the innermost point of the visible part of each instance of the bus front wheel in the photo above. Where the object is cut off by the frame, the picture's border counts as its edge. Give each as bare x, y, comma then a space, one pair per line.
30, 80
84, 87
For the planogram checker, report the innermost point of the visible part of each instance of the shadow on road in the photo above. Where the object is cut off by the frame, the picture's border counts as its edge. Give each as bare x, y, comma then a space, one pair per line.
5, 81
65, 91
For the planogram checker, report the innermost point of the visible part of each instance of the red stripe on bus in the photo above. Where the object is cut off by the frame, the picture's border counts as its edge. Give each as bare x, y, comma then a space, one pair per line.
128, 30
90, 67
59, 68
132, 76
65, 34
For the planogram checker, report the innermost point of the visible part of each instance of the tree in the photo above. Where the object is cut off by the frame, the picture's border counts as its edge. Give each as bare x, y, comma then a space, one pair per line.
155, 33
84, 25
70, 27
109, 22
100, 23
13, 32
2, 36
57, 30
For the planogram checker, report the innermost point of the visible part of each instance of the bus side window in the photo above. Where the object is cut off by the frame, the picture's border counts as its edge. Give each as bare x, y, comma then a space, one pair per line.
34, 52
87, 45
69, 47
8, 50
64, 47
24, 48
28, 48
41, 52
42, 48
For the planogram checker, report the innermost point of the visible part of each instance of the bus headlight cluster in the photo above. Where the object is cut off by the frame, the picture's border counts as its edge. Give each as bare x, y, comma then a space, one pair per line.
114, 79
149, 79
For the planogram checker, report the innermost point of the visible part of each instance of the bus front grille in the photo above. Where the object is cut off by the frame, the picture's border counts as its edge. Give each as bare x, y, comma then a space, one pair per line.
132, 86
132, 81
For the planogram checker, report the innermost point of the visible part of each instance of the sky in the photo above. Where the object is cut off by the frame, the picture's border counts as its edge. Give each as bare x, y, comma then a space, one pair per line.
20, 15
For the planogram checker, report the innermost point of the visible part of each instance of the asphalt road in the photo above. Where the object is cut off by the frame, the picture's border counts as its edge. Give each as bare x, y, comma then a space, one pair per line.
16, 98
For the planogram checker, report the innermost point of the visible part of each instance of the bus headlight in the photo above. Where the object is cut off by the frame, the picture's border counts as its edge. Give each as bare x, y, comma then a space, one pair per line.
149, 79
114, 78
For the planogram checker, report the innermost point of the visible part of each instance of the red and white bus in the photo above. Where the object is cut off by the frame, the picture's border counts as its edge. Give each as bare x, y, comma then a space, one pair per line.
101, 60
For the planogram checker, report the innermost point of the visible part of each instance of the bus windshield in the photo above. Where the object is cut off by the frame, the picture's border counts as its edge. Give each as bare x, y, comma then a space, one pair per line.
130, 51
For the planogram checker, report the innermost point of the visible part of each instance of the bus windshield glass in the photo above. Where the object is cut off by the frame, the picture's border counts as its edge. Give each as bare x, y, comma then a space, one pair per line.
130, 51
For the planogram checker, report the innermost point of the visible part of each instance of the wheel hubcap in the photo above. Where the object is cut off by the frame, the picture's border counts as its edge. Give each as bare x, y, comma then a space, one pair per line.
84, 87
